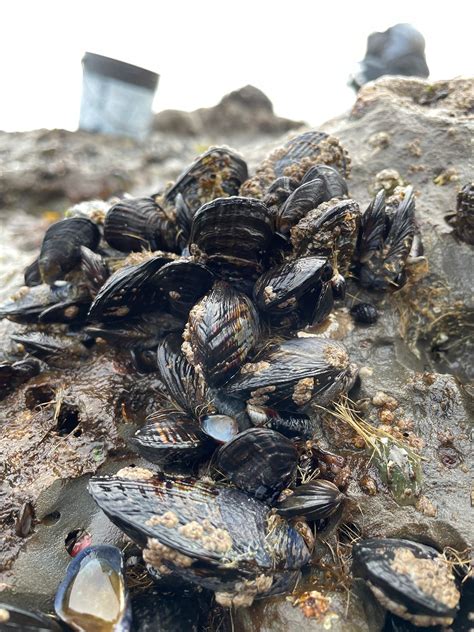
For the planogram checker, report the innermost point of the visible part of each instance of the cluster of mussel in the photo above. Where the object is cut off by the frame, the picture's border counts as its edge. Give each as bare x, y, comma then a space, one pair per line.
208, 283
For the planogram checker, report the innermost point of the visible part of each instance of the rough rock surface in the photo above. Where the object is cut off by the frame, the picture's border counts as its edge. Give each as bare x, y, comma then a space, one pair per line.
423, 132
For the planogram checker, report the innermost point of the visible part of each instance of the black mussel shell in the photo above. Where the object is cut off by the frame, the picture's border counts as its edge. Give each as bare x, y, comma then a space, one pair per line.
211, 535
136, 224
61, 247
61, 302
16, 373
338, 285
260, 461
217, 173
320, 184
329, 231
295, 158
290, 424
186, 388
222, 329
235, 230
32, 274
294, 373
221, 428
278, 192
464, 219
93, 595
183, 283
138, 333
130, 290
411, 580
386, 238
365, 313
172, 438
13, 619
316, 500
94, 270
292, 286
46, 345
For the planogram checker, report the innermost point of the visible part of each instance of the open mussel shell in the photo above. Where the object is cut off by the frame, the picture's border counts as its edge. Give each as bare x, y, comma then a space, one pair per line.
330, 231
222, 329
220, 428
130, 290
292, 286
133, 224
411, 580
235, 230
260, 461
172, 438
316, 500
218, 172
184, 386
13, 619
294, 373
290, 424
61, 247
183, 283
211, 535
93, 595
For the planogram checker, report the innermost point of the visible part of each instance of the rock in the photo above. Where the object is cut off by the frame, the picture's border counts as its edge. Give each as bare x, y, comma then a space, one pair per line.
244, 112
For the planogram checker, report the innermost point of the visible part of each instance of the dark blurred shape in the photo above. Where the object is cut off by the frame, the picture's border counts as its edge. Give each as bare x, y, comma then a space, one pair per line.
116, 97
246, 111
400, 50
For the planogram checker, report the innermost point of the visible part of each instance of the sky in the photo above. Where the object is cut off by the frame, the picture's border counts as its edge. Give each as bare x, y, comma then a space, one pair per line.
298, 52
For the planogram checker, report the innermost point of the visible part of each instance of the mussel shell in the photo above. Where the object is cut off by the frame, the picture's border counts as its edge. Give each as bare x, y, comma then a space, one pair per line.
94, 270
172, 438
183, 283
61, 247
231, 543
46, 345
235, 229
130, 290
222, 329
279, 290
136, 224
260, 461
177, 611
294, 373
16, 373
32, 274
398, 570
93, 595
60, 302
316, 500
289, 424
335, 183
13, 619
220, 428
184, 386
218, 172
328, 230
364, 313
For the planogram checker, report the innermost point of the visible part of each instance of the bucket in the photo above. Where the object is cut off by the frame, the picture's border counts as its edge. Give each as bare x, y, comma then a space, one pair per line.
116, 97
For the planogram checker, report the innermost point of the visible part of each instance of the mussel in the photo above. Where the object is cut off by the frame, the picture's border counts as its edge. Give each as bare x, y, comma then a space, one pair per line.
94, 269
289, 424
295, 158
411, 580
136, 224
183, 282
93, 595
172, 438
13, 619
316, 500
61, 247
295, 287
32, 274
235, 231
260, 461
222, 329
12, 374
364, 313
294, 373
320, 184
463, 219
220, 428
211, 535
385, 241
329, 231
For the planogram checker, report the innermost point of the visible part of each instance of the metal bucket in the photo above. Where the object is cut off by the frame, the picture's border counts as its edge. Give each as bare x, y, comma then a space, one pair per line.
116, 97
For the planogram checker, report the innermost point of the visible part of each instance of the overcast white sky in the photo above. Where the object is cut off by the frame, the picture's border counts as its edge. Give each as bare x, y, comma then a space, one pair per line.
298, 52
